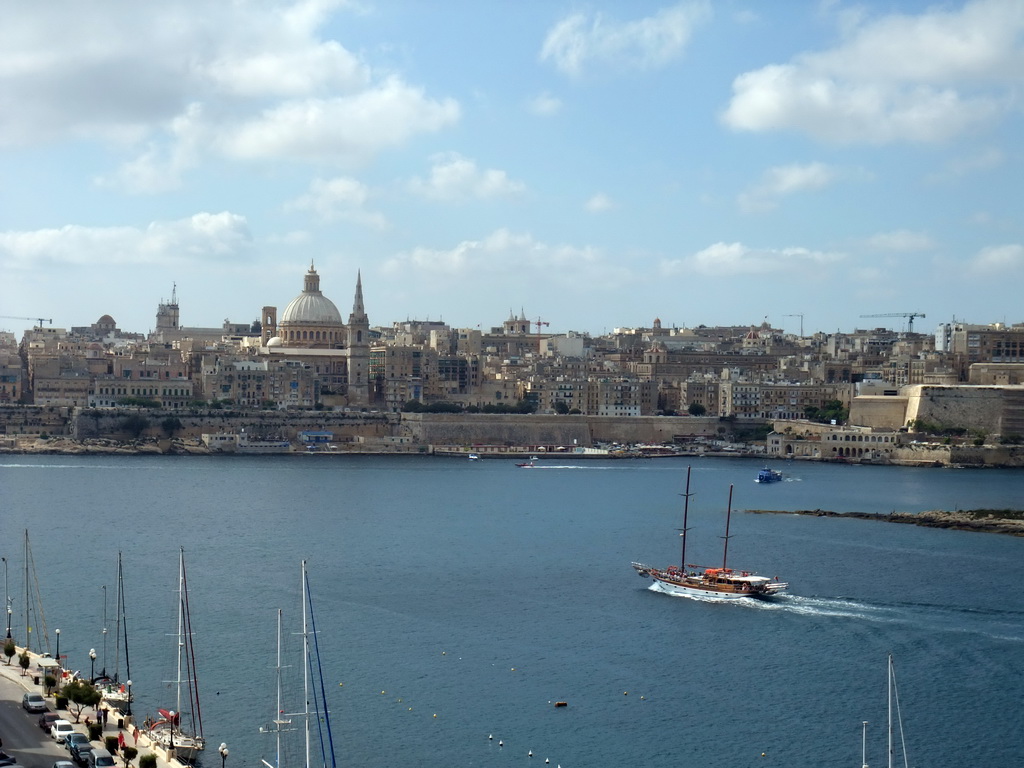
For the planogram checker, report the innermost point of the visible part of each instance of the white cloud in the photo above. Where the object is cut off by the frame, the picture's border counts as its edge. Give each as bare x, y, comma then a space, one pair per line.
735, 259
580, 40
921, 78
343, 129
999, 259
901, 240
512, 256
454, 177
973, 162
783, 180
202, 237
599, 203
173, 82
545, 104
339, 198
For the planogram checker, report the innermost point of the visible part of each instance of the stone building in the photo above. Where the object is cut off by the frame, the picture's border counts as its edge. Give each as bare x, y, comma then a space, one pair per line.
311, 333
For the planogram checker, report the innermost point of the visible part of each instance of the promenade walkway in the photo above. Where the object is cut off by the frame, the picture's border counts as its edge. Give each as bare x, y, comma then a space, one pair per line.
116, 723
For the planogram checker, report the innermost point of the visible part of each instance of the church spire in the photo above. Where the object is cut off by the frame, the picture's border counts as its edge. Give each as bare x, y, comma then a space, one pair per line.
357, 306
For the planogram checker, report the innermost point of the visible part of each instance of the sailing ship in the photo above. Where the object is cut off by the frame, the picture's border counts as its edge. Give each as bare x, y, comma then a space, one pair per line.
892, 699
114, 692
169, 732
314, 691
705, 582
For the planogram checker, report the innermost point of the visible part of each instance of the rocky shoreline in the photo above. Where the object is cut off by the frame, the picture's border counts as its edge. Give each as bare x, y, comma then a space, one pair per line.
1005, 521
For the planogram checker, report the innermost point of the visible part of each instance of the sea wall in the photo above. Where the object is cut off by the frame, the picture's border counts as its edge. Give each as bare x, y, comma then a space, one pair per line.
929, 454
524, 429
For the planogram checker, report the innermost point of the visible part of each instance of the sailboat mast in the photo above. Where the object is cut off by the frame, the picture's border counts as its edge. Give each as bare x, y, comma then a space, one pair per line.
686, 513
864, 744
889, 701
728, 517
181, 626
280, 709
123, 620
28, 625
305, 661
117, 624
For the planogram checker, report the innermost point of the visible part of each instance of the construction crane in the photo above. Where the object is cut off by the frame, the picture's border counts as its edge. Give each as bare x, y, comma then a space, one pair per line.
801, 316
39, 320
538, 322
909, 315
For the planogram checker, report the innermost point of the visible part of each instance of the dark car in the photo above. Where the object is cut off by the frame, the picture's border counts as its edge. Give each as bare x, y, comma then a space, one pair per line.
75, 738
6, 759
46, 720
80, 752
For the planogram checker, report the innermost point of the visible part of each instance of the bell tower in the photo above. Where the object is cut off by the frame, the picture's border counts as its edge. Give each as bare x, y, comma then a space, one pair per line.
358, 349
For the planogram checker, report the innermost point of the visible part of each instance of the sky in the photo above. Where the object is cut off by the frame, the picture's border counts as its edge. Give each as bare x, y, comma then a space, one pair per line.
591, 165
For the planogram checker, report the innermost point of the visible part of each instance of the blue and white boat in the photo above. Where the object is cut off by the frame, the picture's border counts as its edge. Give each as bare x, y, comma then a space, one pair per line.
768, 475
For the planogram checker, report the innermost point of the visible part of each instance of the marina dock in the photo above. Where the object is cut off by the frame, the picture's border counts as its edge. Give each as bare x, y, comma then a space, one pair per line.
14, 683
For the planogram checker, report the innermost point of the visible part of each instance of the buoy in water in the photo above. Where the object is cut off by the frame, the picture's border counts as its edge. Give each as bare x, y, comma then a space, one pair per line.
561, 703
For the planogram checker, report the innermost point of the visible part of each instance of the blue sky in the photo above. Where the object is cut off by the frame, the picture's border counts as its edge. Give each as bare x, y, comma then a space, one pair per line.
595, 165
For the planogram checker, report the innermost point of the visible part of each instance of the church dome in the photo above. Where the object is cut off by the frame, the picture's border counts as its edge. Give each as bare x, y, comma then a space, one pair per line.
311, 307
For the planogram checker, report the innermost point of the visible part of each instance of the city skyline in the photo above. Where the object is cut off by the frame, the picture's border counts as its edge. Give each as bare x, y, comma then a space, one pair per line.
590, 165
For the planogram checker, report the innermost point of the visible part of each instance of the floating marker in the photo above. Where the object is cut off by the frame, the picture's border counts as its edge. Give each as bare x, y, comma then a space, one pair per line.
530, 753
490, 736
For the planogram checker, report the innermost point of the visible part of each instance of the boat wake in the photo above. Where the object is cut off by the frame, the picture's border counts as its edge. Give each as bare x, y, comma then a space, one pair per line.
1000, 625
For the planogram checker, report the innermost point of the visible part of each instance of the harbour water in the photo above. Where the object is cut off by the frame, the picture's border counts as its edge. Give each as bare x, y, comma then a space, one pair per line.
459, 600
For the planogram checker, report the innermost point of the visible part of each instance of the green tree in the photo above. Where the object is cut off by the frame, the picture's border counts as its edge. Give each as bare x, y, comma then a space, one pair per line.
9, 650
561, 407
48, 682
148, 760
135, 424
170, 425
23, 662
696, 409
80, 694
128, 753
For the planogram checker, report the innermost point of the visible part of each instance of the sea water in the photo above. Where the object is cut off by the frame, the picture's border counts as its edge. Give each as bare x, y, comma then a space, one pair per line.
456, 602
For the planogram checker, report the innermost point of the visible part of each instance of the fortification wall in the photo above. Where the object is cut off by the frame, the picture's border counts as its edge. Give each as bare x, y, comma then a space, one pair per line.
972, 408
508, 429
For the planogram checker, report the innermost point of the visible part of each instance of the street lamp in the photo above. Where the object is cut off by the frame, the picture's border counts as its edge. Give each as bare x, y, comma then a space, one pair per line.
129, 710
60, 667
92, 665
223, 749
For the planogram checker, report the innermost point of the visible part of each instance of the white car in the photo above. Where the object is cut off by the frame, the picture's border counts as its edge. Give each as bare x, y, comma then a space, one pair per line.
60, 729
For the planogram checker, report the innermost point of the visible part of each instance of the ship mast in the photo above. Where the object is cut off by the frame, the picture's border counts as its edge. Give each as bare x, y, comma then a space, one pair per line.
728, 517
686, 512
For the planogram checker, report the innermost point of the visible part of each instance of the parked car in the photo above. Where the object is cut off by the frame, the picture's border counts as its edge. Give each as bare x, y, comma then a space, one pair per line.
46, 720
6, 759
63, 764
33, 702
80, 753
74, 738
100, 758
60, 729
